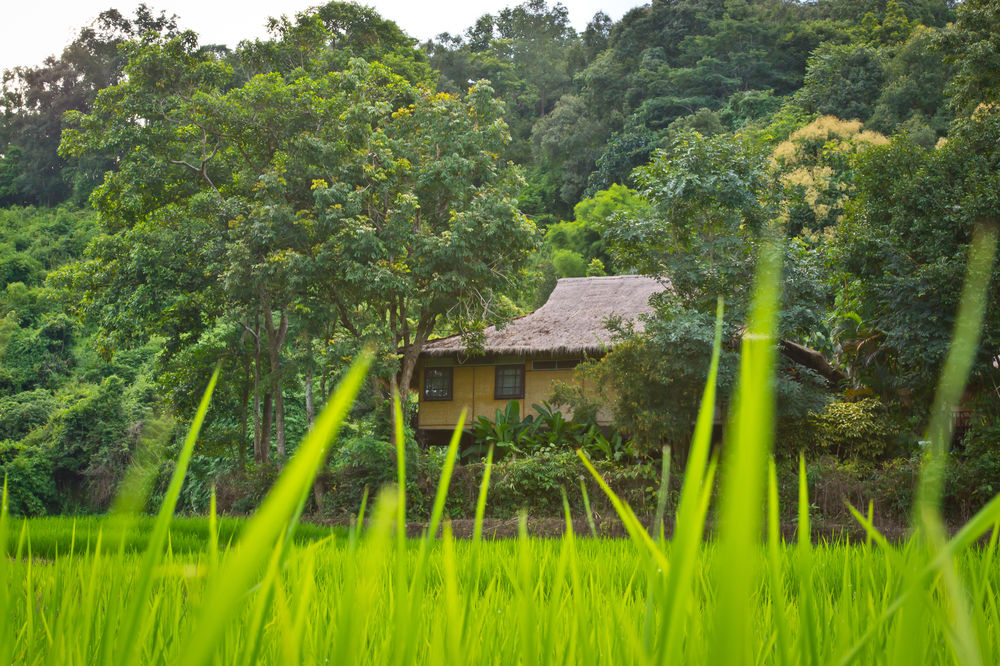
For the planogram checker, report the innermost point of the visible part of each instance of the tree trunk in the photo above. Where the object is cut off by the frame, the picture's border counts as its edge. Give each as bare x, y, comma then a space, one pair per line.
244, 415
265, 450
408, 364
258, 432
318, 492
279, 424
310, 409
276, 338
411, 354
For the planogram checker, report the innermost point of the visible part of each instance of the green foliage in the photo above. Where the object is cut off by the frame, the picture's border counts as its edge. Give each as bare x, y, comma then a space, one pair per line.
326, 38
506, 432
34, 99
975, 475
568, 263
29, 474
68, 422
360, 462
862, 430
843, 80
567, 142
529, 52
575, 245
903, 251
711, 205
357, 219
547, 430
972, 45
54, 536
658, 378
22, 412
708, 204
930, 597
534, 481
284, 204
364, 461
914, 90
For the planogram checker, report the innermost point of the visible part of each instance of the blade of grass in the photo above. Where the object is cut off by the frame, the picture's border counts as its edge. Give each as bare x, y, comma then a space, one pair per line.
627, 516
689, 523
126, 635
224, 597
397, 421
437, 509
951, 386
361, 513
213, 534
804, 573
477, 532
745, 455
976, 527
6, 593
586, 508
661, 494
774, 568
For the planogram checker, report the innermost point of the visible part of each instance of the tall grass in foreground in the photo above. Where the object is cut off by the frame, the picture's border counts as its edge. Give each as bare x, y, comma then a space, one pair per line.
374, 597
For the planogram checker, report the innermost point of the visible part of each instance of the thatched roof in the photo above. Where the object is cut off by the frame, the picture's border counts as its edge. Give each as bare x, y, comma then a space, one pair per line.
572, 321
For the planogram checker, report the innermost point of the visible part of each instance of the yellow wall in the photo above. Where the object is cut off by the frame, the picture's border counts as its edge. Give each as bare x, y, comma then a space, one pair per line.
473, 387
483, 403
444, 413
538, 385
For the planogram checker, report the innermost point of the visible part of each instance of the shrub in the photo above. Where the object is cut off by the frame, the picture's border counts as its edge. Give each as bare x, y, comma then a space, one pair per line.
240, 491
974, 472
31, 487
365, 459
91, 437
22, 412
534, 484
507, 432
846, 430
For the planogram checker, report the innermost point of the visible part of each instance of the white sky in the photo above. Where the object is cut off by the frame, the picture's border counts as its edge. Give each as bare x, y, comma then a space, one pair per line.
30, 30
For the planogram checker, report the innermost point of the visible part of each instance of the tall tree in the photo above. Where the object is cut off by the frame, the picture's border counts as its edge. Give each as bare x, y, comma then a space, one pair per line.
34, 100
711, 205
904, 245
290, 201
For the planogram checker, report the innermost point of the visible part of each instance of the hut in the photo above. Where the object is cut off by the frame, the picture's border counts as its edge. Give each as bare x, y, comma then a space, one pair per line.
521, 360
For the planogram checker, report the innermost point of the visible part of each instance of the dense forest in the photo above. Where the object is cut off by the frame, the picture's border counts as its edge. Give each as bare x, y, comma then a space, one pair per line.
274, 207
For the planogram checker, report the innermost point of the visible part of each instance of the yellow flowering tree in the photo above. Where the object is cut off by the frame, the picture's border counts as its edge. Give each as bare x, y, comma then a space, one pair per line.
814, 164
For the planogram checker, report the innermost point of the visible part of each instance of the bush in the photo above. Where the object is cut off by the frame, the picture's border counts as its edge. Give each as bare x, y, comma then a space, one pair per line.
974, 472
241, 491
31, 487
861, 430
534, 484
22, 412
363, 459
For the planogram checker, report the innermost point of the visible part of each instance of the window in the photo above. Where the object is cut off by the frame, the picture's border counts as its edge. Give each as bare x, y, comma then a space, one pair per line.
437, 383
555, 365
509, 382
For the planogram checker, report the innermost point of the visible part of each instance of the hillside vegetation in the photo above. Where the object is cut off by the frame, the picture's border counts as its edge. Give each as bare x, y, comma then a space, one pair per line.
276, 207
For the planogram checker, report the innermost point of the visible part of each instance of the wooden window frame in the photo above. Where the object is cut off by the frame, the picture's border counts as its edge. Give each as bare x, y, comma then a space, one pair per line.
450, 374
496, 381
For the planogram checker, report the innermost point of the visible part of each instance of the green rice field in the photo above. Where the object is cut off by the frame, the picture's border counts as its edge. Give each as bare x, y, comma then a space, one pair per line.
574, 600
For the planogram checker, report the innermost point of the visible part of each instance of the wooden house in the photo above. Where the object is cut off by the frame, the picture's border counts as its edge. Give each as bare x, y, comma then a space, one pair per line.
521, 360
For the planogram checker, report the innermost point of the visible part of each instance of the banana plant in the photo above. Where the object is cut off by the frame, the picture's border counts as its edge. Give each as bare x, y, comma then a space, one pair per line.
507, 432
